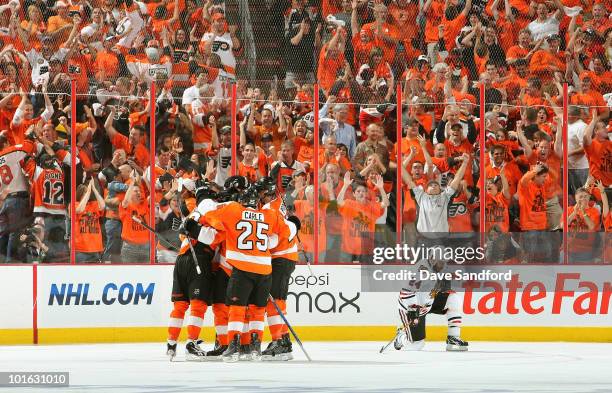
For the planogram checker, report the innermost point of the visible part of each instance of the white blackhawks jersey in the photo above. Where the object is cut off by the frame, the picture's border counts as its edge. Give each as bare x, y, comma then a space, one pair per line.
419, 294
223, 47
11, 175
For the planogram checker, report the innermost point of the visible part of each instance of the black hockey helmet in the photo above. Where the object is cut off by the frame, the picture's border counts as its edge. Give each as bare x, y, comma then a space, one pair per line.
249, 197
267, 185
204, 191
236, 183
224, 196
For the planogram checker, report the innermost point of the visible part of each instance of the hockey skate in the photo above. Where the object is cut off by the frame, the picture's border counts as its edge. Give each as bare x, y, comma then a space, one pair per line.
400, 338
288, 354
193, 352
171, 351
255, 347
456, 344
276, 352
216, 353
245, 352
232, 353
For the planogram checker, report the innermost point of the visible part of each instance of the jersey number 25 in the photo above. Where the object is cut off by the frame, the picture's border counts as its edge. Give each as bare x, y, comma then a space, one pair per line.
247, 228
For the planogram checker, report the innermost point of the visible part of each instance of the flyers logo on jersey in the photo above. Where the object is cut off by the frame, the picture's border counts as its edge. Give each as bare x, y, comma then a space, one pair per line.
220, 45
457, 209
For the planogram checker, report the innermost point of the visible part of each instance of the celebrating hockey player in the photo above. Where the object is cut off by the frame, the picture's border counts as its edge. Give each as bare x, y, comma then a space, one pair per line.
429, 297
284, 259
192, 280
250, 233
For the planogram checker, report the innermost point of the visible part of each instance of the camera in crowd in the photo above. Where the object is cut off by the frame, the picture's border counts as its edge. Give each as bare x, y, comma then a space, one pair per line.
31, 239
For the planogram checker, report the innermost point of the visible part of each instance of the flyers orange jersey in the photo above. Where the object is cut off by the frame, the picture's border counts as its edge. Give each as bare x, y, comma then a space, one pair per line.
47, 188
88, 234
287, 238
249, 235
208, 235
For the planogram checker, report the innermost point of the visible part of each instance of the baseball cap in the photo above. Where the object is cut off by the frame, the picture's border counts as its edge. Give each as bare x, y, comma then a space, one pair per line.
225, 130
423, 58
553, 37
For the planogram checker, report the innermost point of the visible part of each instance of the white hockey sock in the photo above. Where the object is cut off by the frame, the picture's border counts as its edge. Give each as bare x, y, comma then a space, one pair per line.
453, 314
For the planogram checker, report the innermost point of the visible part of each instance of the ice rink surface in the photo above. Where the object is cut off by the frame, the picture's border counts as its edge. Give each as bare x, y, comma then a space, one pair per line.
336, 367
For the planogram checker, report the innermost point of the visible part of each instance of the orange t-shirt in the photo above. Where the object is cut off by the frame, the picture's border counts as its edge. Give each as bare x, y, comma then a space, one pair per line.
89, 232
139, 152
132, 231
600, 160
516, 52
580, 237
496, 212
387, 47
358, 226
361, 50
304, 210
410, 206
532, 203
106, 65
511, 171
328, 68
433, 18
552, 185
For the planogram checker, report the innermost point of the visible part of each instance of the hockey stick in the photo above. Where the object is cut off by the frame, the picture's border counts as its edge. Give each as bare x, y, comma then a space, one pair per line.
297, 234
297, 339
384, 347
173, 246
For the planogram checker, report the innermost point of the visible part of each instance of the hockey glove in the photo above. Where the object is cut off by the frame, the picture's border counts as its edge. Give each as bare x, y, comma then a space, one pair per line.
190, 228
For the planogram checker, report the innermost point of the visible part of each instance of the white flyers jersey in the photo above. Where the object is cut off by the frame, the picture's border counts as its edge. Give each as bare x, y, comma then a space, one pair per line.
223, 47
222, 84
11, 175
150, 72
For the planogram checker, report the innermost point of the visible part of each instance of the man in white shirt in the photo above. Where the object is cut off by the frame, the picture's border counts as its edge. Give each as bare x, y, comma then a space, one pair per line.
192, 93
546, 25
223, 43
433, 201
577, 162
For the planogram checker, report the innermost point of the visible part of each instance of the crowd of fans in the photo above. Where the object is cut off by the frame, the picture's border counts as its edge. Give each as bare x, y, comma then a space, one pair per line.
359, 53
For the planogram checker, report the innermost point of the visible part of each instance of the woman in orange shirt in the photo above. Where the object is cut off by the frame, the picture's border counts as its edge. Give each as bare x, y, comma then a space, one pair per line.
88, 232
133, 211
